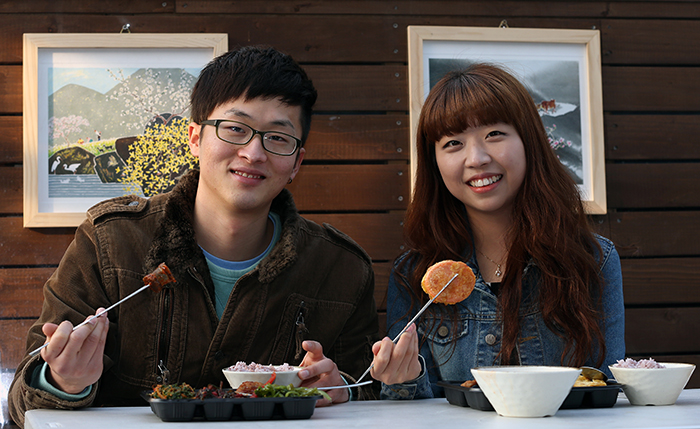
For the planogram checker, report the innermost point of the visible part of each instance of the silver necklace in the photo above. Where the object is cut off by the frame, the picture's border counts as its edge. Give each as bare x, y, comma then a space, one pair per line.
498, 266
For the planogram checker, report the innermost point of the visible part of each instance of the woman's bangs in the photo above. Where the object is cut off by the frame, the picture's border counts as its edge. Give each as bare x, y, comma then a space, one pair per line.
464, 108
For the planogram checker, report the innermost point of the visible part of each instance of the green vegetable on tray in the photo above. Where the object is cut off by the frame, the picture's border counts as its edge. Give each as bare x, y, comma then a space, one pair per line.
173, 391
279, 391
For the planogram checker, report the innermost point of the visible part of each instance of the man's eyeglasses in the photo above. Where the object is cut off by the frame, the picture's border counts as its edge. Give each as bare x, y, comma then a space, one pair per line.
241, 134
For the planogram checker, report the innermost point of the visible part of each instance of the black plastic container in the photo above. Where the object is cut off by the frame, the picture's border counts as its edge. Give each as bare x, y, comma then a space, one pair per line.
455, 393
461, 396
592, 396
476, 399
579, 397
218, 409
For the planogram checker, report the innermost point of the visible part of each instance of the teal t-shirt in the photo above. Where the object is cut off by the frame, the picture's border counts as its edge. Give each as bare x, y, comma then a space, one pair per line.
225, 273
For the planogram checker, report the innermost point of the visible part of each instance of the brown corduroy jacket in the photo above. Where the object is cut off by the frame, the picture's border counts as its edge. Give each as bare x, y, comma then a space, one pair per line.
316, 283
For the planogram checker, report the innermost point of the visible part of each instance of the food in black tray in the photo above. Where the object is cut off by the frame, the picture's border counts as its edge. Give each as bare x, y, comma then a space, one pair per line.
593, 396
473, 397
216, 409
579, 397
454, 393
177, 403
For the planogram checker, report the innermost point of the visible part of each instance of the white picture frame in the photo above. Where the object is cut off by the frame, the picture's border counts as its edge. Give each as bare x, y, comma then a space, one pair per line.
561, 67
53, 60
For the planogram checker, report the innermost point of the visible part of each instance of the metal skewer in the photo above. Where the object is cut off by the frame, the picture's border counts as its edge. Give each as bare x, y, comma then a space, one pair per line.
345, 386
409, 323
91, 318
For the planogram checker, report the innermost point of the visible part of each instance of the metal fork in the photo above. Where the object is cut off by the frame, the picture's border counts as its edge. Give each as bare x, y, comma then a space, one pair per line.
409, 323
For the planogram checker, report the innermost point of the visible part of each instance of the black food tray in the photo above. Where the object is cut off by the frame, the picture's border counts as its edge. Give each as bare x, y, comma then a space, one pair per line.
471, 397
592, 396
217, 409
579, 397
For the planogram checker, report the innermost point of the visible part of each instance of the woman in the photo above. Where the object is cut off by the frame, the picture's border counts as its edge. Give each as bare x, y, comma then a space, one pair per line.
491, 192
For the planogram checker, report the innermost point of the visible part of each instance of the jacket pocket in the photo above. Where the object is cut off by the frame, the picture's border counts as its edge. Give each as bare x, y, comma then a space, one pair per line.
447, 343
307, 318
443, 331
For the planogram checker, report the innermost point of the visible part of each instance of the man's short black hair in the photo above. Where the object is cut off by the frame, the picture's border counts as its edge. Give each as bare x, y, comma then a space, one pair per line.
253, 72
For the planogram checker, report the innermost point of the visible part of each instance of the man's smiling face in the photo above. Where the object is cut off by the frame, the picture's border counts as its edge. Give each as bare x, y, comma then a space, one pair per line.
245, 178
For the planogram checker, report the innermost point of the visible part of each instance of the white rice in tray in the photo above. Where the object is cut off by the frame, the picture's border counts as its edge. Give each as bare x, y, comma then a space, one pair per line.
256, 367
642, 363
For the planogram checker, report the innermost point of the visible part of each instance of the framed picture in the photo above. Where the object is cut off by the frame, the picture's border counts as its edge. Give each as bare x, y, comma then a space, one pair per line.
106, 115
560, 68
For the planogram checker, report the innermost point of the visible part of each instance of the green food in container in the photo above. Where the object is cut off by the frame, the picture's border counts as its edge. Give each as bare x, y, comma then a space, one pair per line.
279, 391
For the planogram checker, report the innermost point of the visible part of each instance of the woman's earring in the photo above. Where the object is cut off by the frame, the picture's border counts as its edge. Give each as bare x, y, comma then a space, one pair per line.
289, 181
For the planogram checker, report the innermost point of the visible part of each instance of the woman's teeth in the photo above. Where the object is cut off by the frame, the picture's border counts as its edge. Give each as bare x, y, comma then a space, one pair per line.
485, 182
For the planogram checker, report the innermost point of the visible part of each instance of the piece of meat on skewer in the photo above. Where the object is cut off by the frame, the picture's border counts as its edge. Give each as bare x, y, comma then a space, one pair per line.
160, 277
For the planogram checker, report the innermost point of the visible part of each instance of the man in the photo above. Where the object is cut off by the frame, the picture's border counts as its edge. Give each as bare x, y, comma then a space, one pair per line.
255, 281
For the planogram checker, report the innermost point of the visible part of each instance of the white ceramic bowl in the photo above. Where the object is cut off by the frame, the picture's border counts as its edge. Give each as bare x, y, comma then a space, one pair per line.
655, 386
285, 378
526, 391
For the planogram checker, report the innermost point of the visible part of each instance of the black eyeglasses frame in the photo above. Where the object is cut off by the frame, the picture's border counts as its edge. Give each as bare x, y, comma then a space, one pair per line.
215, 123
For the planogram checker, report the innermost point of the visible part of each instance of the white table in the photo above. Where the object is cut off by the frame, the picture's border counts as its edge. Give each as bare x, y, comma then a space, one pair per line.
397, 415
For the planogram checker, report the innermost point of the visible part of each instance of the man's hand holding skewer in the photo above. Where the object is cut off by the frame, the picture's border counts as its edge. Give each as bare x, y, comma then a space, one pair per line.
75, 357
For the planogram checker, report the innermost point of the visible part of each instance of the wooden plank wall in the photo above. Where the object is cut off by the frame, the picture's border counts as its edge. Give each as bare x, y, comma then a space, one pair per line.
356, 171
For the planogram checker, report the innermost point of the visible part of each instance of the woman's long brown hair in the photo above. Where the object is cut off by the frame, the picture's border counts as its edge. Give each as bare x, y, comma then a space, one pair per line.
550, 226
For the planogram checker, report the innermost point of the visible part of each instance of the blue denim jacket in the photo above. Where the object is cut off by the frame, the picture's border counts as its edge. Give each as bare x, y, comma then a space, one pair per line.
478, 331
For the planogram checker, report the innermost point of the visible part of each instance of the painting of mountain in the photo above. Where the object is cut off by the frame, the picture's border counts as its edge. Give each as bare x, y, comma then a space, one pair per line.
124, 110
97, 117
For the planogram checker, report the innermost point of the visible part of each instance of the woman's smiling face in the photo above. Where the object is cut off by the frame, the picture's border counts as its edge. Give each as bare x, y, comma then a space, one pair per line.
483, 167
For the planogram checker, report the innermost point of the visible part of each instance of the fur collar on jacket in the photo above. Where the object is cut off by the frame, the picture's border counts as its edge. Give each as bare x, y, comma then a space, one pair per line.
174, 240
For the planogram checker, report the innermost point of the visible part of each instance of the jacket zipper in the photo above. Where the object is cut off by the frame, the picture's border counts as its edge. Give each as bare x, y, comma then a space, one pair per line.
301, 331
162, 373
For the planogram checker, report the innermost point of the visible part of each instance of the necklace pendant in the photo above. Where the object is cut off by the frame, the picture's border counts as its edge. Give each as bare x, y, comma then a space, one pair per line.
498, 272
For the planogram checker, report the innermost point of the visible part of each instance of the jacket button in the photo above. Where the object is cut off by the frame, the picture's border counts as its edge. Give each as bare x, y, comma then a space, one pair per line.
443, 331
219, 355
403, 393
490, 339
